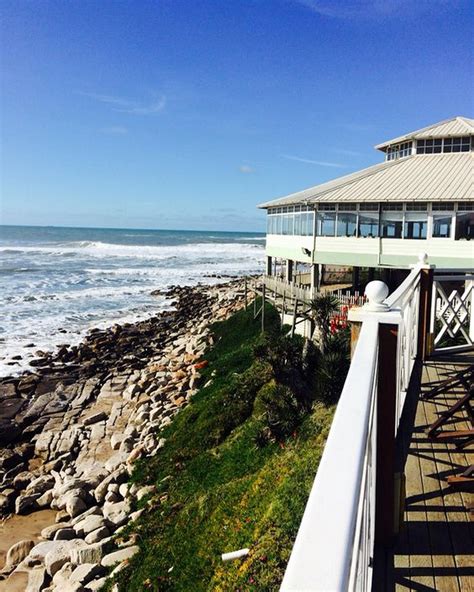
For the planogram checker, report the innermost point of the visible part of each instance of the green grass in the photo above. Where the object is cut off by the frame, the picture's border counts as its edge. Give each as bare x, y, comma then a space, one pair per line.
217, 490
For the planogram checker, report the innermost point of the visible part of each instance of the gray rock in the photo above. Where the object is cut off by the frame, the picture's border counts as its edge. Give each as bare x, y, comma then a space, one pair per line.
45, 500
86, 572
95, 510
65, 534
119, 556
117, 513
89, 524
26, 503
96, 585
50, 531
97, 535
88, 553
144, 491
75, 506
22, 480
94, 418
18, 552
40, 484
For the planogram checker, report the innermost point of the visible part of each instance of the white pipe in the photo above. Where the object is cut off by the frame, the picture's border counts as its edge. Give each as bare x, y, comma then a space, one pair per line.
235, 554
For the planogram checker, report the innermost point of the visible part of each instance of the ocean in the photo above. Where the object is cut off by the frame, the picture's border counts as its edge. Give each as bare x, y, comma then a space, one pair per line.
58, 283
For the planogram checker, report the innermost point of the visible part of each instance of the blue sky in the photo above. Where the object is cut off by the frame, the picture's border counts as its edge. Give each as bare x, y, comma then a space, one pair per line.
186, 114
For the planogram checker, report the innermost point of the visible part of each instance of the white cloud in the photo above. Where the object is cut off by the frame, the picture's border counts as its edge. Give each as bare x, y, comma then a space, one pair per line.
134, 107
323, 163
246, 169
373, 9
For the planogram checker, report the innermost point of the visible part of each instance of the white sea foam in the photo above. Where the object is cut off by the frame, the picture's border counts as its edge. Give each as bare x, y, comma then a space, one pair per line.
54, 291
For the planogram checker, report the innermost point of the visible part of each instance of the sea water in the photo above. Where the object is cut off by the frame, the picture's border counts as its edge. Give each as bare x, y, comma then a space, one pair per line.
58, 283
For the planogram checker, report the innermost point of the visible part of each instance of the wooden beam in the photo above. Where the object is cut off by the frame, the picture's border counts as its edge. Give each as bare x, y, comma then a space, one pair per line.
386, 418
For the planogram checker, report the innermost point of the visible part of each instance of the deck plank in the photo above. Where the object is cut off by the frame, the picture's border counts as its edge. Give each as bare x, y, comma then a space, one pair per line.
435, 549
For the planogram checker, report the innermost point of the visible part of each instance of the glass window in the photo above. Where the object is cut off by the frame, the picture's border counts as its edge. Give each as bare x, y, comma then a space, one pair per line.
297, 224
278, 224
326, 223
346, 224
442, 225
392, 224
465, 225
415, 225
369, 224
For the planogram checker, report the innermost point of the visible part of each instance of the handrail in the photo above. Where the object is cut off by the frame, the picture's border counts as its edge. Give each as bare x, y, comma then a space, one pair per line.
323, 563
334, 547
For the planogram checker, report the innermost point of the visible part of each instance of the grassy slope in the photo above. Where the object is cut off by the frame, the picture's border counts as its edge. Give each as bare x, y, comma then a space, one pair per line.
218, 491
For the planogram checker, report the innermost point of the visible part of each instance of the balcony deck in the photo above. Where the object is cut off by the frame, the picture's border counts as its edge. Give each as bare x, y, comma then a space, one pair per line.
435, 549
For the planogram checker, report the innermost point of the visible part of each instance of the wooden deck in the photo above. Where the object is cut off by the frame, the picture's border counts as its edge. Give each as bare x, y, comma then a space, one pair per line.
435, 548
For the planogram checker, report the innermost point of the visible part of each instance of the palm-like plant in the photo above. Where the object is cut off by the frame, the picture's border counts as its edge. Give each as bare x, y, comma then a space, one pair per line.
323, 306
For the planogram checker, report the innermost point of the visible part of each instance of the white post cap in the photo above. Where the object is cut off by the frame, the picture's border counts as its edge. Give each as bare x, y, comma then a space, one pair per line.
376, 292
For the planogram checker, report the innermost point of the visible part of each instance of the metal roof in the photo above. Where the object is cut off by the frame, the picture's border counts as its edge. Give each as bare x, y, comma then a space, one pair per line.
456, 126
421, 177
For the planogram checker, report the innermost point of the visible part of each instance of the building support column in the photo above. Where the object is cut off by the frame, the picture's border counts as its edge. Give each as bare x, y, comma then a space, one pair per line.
289, 271
269, 266
356, 278
315, 278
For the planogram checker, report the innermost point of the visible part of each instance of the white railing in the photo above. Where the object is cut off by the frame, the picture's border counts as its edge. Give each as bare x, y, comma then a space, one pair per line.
334, 548
452, 312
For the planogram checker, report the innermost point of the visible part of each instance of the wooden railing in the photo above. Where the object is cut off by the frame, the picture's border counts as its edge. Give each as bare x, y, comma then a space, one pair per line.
352, 503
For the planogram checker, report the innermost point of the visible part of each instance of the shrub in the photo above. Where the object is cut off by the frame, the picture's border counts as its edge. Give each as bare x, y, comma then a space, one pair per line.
278, 409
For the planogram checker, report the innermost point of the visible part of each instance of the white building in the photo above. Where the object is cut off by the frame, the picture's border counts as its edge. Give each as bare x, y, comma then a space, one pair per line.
419, 200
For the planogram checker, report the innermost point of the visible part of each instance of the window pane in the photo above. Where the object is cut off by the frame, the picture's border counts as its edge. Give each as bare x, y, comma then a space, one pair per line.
392, 224
326, 224
368, 225
415, 225
346, 224
465, 226
441, 226
297, 224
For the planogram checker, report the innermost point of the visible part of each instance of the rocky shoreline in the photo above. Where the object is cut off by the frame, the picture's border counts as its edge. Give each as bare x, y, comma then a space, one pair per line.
71, 431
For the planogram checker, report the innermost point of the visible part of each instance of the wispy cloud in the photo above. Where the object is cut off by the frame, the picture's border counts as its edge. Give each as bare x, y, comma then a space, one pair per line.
114, 130
323, 163
246, 169
373, 9
123, 105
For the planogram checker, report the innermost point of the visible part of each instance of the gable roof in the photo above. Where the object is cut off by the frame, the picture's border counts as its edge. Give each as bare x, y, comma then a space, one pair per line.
427, 177
456, 126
